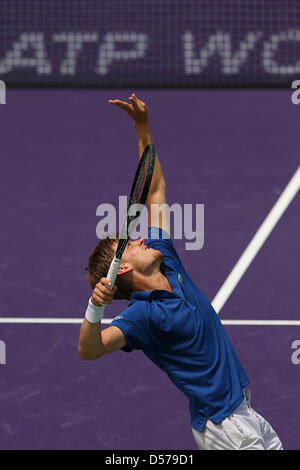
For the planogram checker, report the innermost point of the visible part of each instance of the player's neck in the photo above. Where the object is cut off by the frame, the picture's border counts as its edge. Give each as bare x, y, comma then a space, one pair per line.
155, 281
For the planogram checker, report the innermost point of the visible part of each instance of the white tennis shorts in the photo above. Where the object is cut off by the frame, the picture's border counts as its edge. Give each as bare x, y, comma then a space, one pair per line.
244, 429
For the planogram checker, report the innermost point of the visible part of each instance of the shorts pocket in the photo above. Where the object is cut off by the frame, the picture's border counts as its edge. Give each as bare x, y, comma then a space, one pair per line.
234, 431
260, 419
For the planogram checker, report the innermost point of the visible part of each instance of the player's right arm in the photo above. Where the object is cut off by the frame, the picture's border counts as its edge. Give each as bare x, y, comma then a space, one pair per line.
94, 342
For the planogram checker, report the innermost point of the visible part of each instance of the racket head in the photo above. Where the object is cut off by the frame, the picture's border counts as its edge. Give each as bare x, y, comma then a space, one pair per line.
143, 177
138, 195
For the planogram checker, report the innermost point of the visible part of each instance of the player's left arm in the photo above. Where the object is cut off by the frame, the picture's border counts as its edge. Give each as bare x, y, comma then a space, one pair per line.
157, 200
157, 196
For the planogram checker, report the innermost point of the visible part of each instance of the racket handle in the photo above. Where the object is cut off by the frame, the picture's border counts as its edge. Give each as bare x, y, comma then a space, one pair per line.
112, 275
113, 271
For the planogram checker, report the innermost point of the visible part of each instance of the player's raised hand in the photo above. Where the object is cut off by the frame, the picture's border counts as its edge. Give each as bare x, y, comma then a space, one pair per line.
136, 109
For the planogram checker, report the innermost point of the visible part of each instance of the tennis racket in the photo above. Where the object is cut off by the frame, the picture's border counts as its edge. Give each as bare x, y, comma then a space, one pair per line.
138, 195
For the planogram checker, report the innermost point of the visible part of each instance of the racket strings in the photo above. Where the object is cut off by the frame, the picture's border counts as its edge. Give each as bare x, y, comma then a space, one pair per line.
138, 195
140, 184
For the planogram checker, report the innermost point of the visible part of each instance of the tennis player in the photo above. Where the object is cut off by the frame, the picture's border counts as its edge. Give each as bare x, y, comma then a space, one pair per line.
172, 322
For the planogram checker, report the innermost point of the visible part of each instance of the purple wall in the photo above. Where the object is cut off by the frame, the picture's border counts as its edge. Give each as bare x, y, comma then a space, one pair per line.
170, 42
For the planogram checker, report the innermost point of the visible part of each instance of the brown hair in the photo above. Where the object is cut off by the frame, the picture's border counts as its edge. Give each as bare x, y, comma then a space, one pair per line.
99, 263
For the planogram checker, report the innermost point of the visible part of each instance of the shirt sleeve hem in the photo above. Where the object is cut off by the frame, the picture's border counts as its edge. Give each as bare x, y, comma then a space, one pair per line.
128, 347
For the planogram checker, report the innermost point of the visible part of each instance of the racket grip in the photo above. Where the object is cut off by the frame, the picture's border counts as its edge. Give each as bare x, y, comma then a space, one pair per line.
113, 271
112, 275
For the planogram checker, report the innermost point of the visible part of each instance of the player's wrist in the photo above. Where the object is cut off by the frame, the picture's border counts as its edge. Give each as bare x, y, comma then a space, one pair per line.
94, 313
142, 125
95, 302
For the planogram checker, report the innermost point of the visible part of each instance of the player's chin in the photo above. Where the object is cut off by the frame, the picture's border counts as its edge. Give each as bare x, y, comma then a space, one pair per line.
157, 253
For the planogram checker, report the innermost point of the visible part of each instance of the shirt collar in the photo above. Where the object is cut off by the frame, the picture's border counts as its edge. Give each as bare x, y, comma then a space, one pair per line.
151, 295
159, 294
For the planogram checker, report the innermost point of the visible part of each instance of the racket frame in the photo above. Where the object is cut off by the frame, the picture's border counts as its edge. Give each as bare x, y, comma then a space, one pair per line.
125, 235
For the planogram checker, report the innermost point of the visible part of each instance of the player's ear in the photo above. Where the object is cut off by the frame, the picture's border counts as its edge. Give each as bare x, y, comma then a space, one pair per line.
124, 268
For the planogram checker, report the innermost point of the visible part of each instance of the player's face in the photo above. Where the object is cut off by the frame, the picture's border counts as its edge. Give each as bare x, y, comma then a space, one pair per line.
140, 257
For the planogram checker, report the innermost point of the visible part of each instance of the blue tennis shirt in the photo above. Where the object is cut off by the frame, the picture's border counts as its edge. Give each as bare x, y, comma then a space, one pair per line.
182, 334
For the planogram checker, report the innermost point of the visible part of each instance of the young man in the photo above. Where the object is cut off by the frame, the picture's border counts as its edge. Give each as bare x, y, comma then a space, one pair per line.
173, 323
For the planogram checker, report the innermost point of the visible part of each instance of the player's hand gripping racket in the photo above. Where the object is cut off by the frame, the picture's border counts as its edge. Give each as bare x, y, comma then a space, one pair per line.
138, 195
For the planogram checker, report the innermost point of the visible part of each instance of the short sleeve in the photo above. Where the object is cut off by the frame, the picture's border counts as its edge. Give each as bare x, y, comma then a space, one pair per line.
135, 324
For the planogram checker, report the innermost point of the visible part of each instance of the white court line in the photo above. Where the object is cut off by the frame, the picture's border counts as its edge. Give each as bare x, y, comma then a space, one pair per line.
257, 241
70, 321
262, 322
234, 277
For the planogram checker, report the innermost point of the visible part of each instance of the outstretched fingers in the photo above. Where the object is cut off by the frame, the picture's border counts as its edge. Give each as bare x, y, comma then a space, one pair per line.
134, 101
122, 104
136, 109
